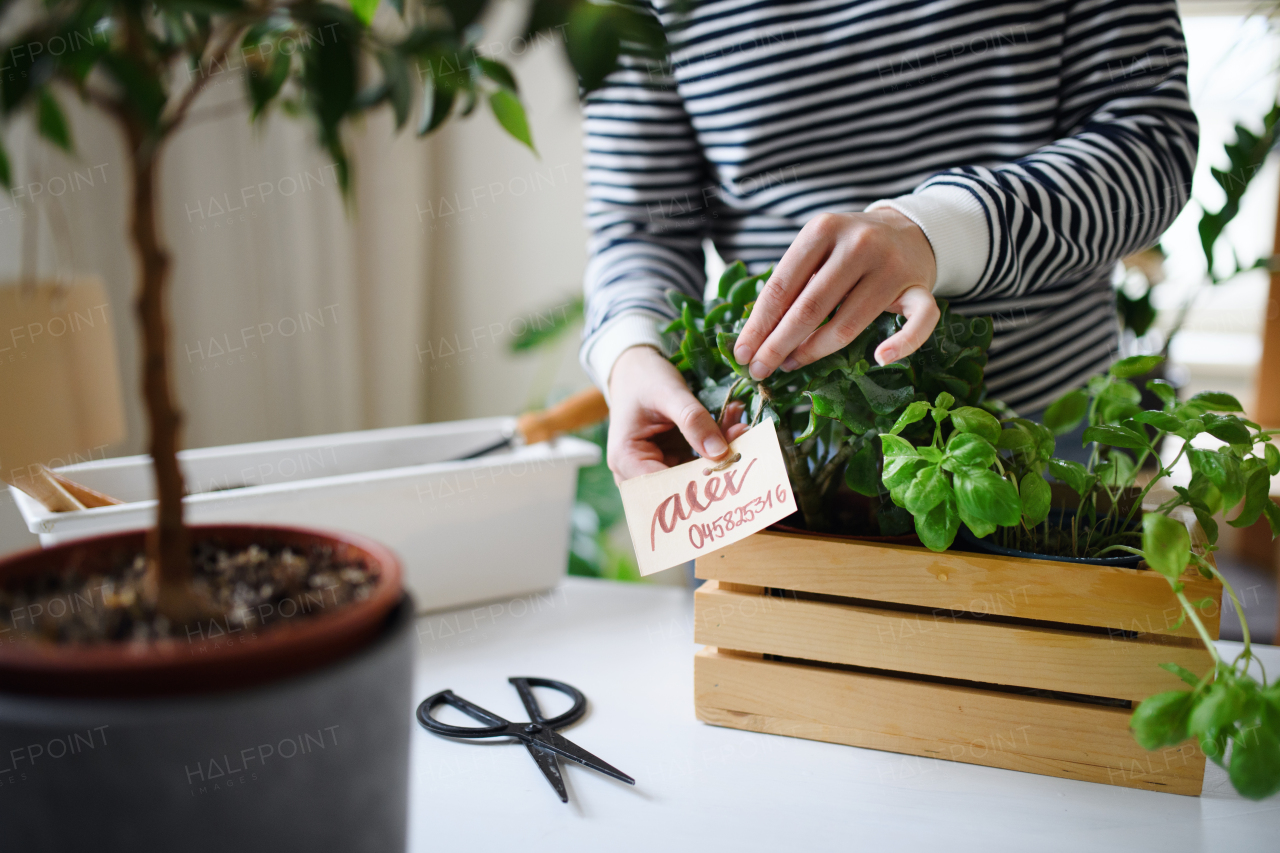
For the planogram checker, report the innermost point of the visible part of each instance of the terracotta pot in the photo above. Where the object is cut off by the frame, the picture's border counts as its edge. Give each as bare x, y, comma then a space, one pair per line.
213, 660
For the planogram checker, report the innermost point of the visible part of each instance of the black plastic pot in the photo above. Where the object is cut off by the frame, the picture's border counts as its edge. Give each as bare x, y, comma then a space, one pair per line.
1126, 561
315, 762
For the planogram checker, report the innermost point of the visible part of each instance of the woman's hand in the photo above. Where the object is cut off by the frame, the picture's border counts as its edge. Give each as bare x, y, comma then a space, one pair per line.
865, 263
647, 397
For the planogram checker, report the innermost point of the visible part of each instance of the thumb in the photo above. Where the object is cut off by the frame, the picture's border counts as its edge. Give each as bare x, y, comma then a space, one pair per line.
921, 310
694, 422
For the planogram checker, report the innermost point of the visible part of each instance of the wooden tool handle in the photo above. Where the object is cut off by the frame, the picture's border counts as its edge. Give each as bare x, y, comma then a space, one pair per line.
40, 484
582, 409
58, 493
87, 496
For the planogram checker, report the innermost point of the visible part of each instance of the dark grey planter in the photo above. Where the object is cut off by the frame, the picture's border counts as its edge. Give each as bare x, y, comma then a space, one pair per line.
316, 763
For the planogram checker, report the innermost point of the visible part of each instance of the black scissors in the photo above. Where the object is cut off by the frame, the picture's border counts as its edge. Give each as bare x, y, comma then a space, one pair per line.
538, 734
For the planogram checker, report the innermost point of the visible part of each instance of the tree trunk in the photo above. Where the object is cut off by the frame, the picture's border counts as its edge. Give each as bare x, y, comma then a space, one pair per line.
808, 498
168, 553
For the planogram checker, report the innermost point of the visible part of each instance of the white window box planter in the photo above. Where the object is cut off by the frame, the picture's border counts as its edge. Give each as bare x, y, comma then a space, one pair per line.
466, 531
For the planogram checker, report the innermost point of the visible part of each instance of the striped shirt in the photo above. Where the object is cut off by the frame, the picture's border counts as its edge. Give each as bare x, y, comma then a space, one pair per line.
1034, 143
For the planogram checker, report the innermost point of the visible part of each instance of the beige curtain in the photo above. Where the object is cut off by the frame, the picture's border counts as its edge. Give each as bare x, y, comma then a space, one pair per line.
291, 315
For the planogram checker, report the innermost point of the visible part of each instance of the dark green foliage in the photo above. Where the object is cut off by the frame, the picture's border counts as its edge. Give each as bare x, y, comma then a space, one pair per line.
309, 56
831, 411
1246, 155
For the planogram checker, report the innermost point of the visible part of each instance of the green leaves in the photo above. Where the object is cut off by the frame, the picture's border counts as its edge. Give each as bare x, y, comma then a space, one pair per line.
1217, 709
966, 450
50, 121
862, 474
1162, 389
596, 34
968, 419
1255, 758
913, 413
1159, 420
1067, 412
937, 528
1161, 720
882, 400
265, 81
1216, 401
1256, 498
1135, 365
732, 274
1233, 709
927, 490
1036, 496
985, 495
364, 10
1166, 544
1246, 154
1075, 475
509, 112
498, 73
1115, 435
141, 91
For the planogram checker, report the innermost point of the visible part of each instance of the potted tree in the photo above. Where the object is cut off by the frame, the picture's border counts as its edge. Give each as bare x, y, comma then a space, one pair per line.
1030, 650
236, 684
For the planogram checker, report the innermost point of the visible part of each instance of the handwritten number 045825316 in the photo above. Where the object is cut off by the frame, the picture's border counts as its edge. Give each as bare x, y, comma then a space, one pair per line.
717, 528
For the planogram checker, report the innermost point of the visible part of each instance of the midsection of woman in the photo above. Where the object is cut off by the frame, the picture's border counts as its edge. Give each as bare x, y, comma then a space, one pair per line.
1033, 145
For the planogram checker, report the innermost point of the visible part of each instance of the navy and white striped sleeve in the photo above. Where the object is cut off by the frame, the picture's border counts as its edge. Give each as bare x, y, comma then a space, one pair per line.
1110, 185
645, 176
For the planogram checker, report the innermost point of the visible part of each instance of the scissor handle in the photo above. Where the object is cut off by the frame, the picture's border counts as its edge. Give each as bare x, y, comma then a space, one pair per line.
497, 725
523, 686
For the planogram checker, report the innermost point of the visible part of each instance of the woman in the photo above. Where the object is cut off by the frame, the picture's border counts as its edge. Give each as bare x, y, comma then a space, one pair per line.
1001, 155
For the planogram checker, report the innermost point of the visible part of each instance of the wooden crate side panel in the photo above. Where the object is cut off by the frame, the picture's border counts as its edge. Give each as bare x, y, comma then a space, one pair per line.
969, 650
1085, 742
1099, 596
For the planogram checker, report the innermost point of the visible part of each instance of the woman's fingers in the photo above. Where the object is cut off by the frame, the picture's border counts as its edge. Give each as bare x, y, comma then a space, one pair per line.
732, 414
921, 310
695, 423
799, 263
807, 313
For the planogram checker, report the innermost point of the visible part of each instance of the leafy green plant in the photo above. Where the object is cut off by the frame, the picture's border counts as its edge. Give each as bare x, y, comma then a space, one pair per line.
1246, 154
829, 412
991, 475
143, 63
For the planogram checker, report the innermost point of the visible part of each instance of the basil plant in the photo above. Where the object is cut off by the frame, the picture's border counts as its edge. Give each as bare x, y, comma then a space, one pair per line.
828, 413
991, 475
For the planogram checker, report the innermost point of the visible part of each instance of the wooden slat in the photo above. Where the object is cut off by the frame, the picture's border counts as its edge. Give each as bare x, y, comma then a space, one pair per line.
1046, 736
1079, 594
964, 649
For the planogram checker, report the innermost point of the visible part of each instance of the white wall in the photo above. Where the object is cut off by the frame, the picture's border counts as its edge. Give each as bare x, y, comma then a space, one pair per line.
520, 247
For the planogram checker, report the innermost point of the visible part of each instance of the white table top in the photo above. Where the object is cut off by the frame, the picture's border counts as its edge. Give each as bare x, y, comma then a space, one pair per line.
630, 649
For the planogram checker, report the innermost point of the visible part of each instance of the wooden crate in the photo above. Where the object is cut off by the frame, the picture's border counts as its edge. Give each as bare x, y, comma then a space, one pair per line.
1023, 664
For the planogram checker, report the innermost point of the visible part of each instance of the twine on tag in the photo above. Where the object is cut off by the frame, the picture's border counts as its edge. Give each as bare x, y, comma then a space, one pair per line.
722, 465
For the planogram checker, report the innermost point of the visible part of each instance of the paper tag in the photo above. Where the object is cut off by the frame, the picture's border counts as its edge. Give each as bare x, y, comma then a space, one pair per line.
699, 507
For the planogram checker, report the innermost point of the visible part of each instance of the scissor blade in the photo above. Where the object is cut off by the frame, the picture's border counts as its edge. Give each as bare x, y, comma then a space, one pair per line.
566, 748
550, 766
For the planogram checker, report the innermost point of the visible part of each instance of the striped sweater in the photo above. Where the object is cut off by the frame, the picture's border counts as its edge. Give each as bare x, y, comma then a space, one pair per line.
1034, 143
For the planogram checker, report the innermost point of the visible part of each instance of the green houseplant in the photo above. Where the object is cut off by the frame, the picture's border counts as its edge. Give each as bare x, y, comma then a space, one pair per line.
990, 474
947, 457
829, 412
144, 64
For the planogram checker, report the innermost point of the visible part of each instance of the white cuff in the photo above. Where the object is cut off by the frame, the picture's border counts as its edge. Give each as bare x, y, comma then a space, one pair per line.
627, 330
956, 224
